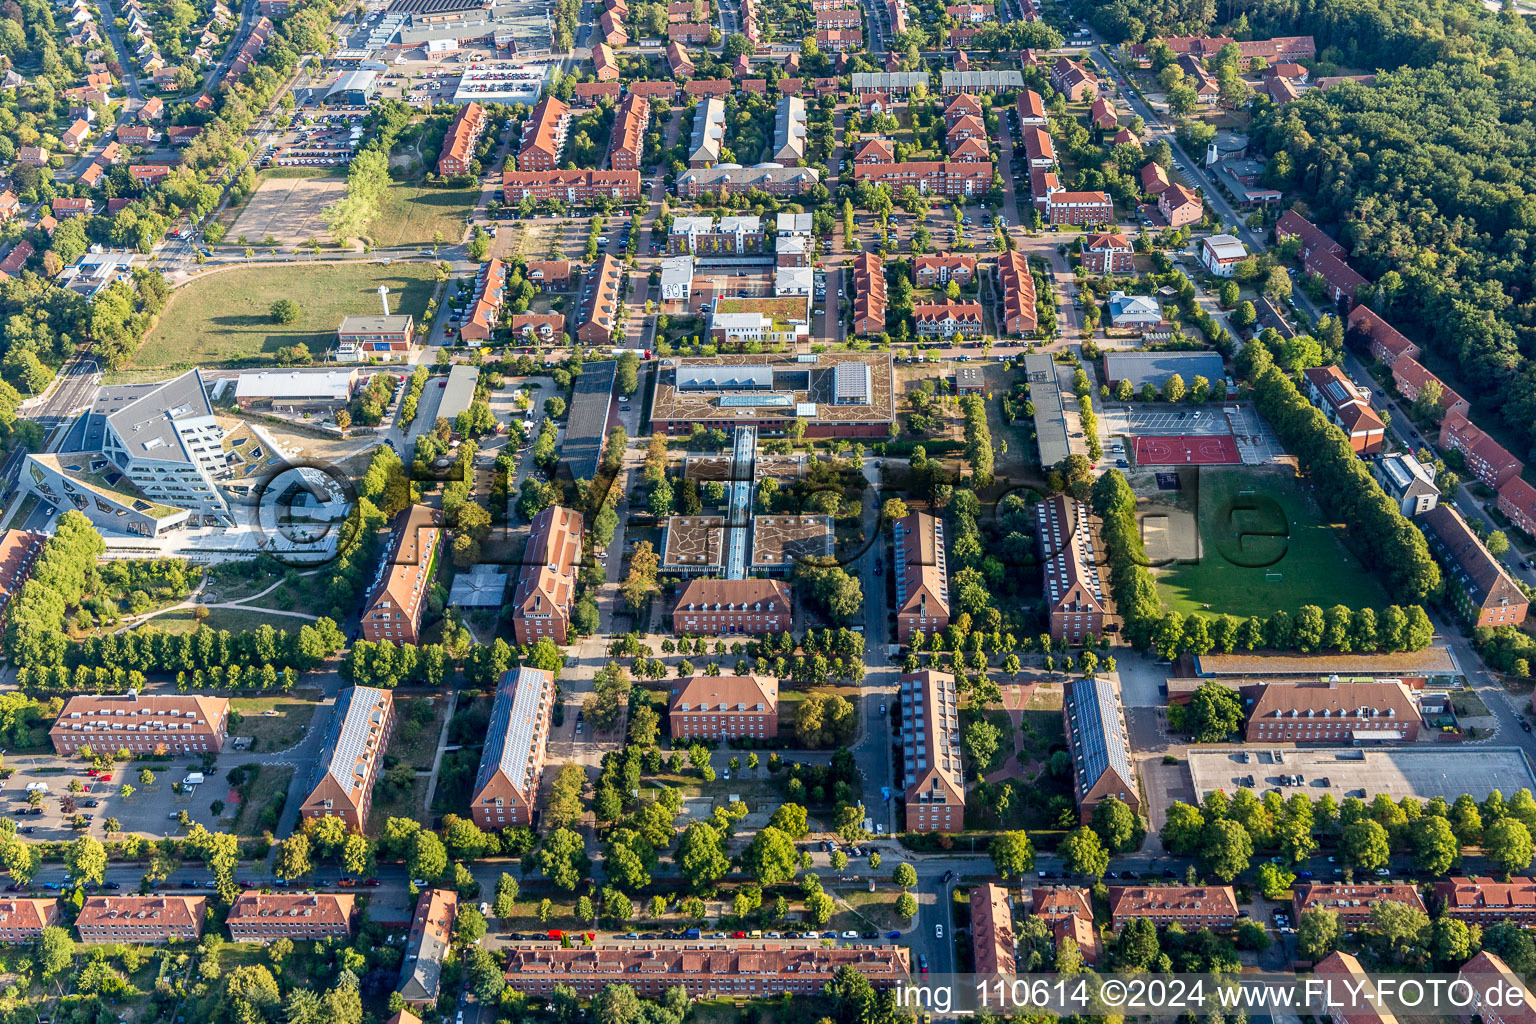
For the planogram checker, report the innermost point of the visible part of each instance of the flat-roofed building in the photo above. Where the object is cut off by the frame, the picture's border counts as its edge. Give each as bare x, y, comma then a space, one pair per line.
1099, 745
395, 605
1076, 595
1193, 906
1411, 484
1050, 416
385, 338
421, 972
779, 543
141, 920
724, 708
1156, 367
344, 774
922, 576
266, 917
1352, 901
1354, 711
295, 389
512, 762
744, 971
23, 919
933, 780
693, 545
992, 941
729, 607
141, 723
546, 585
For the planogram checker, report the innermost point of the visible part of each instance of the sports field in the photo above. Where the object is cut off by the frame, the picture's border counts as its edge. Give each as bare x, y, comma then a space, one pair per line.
1263, 547
225, 319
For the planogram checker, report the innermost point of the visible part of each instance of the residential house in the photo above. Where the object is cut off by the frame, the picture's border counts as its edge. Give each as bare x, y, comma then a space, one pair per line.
868, 293
1108, 252
1486, 459
394, 608
1347, 406
351, 758
1190, 906
1017, 285
1352, 711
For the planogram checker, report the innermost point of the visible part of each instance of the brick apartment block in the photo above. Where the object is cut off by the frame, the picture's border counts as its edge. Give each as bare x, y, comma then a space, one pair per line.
517, 737
141, 724
267, 917
725, 707
141, 920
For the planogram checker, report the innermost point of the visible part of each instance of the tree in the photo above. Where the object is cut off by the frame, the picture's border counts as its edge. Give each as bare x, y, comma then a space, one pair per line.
771, 857
1318, 933
1082, 853
563, 858
819, 906
1435, 848
982, 742
285, 311
617, 1004
701, 856
469, 927
1173, 388
1182, 829
1117, 825
789, 819
486, 978
905, 876
1274, 881
1364, 844
1215, 712
1227, 849
1012, 853
55, 951
1497, 543
293, 857
906, 905
86, 860
1507, 842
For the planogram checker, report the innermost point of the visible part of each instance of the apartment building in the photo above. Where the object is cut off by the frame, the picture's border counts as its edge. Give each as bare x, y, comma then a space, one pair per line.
703, 236
1386, 342
1486, 459
1107, 252
961, 107
1487, 973
141, 920
1479, 586
992, 940
1221, 253
141, 724
1411, 378
421, 972
357, 734
1353, 902
947, 319
458, 153
942, 178
1017, 284
1411, 485
1080, 208
544, 136
1100, 747
1344, 972
546, 584
22, 919
1073, 79
937, 271
922, 576
724, 708
1031, 110
1039, 151
1076, 594
933, 780
398, 599
549, 275
267, 917
512, 764
1192, 906
742, 971
868, 293
1487, 901
1068, 911
1347, 406
600, 309
1180, 206
1334, 712
485, 302
730, 607
633, 116
782, 182
1517, 500
574, 186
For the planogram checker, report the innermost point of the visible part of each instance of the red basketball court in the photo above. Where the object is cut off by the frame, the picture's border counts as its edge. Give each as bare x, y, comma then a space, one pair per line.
1186, 450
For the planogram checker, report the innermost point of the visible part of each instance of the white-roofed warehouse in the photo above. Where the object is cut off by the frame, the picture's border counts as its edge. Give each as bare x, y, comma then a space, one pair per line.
289, 389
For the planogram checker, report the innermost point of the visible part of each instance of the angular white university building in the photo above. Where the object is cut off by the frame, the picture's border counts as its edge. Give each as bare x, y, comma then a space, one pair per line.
149, 458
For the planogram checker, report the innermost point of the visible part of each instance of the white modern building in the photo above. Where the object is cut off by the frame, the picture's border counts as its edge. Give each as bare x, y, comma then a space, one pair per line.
677, 278
1220, 253
793, 280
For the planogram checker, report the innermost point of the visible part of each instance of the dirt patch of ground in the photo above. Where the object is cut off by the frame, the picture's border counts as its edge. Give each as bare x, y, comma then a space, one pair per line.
288, 209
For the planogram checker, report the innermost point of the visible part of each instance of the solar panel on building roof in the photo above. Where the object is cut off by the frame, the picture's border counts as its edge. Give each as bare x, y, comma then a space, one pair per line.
724, 378
1096, 725
776, 401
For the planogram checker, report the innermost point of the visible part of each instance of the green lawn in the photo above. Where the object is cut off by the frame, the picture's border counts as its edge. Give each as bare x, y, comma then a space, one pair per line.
225, 318
290, 716
1255, 525
413, 214
268, 791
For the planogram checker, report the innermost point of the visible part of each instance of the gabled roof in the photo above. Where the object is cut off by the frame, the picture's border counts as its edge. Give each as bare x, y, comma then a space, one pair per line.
1099, 745
725, 693
514, 735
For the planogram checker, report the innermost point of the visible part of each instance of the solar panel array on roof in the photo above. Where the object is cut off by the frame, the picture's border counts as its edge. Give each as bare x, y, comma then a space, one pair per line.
724, 378
1098, 740
771, 400
350, 736
851, 383
514, 723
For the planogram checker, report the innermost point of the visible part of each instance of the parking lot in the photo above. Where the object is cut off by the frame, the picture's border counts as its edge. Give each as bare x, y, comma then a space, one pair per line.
149, 810
1422, 771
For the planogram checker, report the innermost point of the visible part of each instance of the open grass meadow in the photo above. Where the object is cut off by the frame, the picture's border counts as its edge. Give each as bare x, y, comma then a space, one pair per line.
225, 319
413, 214
1264, 547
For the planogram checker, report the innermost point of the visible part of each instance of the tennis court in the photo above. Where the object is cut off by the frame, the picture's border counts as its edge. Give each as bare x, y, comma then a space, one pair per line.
1184, 450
